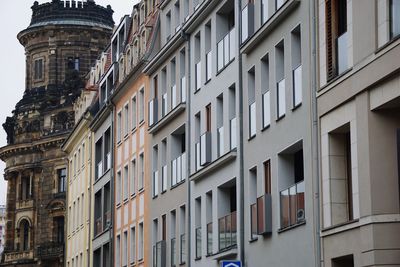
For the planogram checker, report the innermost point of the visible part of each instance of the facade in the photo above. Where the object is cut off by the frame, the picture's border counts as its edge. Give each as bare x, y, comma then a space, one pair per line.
79, 184
2, 229
358, 115
278, 98
57, 50
131, 142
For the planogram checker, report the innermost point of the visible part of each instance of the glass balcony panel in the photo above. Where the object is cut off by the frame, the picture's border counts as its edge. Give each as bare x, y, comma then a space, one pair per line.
266, 109
279, 3
173, 96
234, 228
233, 133
209, 65
198, 242
260, 215
228, 231
155, 183
99, 169
174, 172
252, 120
297, 86
164, 105
151, 112
226, 50
220, 51
198, 159
198, 76
209, 239
292, 205
220, 141
164, 178
183, 89
264, 10
173, 252
222, 234
281, 98
184, 173
179, 169
284, 199
245, 23
108, 157
183, 249
253, 216
232, 46
395, 18
342, 54
300, 193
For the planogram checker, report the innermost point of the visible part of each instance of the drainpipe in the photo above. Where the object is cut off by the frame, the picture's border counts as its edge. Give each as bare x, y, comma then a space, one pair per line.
89, 194
111, 107
315, 134
188, 150
240, 119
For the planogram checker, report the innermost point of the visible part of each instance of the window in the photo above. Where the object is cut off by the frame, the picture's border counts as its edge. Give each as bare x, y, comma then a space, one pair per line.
279, 3
155, 171
247, 21
220, 126
25, 188
134, 112
173, 84
177, 16
141, 171
76, 64
344, 261
173, 237
208, 51
280, 78
252, 103
125, 249
38, 69
118, 188
141, 105
133, 245
62, 179
133, 177
291, 180
178, 164
119, 130
266, 96
164, 173
232, 117
24, 235
141, 247
118, 251
126, 179
183, 75
264, 11
227, 216
394, 18
336, 37
209, 219
197, 61
126, 120
182, 239
168, 26
296, 66
197, 219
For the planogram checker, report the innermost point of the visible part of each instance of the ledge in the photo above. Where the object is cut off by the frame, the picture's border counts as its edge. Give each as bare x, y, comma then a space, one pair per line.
273, 22
225, 254
167, 118
213, 166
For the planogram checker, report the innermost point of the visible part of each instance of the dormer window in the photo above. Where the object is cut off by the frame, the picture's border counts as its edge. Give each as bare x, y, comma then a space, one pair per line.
38, 69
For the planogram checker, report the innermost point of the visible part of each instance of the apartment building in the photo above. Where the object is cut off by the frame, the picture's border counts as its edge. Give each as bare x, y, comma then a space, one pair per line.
131, 142
167, 115
79, 181
358, 113
214, 110
278, 129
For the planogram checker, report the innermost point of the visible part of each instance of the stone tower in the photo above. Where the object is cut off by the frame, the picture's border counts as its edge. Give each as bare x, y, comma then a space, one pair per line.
62, 41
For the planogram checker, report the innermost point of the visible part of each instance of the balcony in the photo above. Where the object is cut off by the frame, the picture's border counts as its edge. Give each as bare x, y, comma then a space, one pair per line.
50, 251
182, 253
227, 232
226, 50
178, 169
153, 111
183, 89
198, 242
252, 120
160, 254
266, 98
24, 204
342, 54
281, 98
292, 205
173, 96
297, 86
205, 148
155, 183
164, 177
173, 252
220, 141
209, 239
18, 256
233, 136
261, 216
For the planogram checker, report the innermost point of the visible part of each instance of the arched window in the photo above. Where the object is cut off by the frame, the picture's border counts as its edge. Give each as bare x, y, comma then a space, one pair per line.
24, 234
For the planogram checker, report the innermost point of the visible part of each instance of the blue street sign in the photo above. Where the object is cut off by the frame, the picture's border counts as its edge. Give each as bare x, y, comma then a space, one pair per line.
231, 264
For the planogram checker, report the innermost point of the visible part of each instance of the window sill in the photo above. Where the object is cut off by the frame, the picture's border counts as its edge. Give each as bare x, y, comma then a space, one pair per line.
391, 41
265, 128
196, 91
251, 137
178, 184
141, 190
335, 80
163, 192
282, 230
280, 118
197, 258
296, 107
133, 196
134, 130
252, 240
154, 197
227, 253
334, 229
125, 201
141, 123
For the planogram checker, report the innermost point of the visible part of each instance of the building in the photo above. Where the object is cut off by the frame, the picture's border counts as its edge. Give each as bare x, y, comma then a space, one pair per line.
79, 184
135, 38
2, 229
61, 42
358, 116
168, 200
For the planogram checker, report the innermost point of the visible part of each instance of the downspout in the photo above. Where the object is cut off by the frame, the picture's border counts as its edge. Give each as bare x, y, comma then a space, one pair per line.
240, 118
111, 107
315, 135
188, 152
90, 196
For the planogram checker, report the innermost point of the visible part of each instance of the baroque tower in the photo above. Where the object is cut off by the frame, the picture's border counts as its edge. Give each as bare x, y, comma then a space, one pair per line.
62, 41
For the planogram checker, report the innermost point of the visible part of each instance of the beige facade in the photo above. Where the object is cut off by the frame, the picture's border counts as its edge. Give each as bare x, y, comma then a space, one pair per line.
359, 119
78, 146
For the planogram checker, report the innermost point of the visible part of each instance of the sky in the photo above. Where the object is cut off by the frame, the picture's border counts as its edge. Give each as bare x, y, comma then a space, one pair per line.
15, 16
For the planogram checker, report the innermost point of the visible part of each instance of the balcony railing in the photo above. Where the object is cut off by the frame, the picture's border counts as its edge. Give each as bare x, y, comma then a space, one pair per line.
226, 50
173, 96
178, 169
261, 216
297, 86
99, 169
252, 120
173, 252
266, 109
198, 75
164, 105
164, 176
98, 228
159, 254
197, 157
292, 205
220, 140
233, 133
198, 242
108, 161
281, 98
153, 111
155, 183
183, 89
342, 56
50, 250
182, 253
25, 203
209, 238
227, 232
208, 65
16, 256
107, 219
205, 148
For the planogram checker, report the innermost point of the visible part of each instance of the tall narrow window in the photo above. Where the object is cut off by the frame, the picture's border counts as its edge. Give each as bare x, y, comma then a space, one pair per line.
134, 106
164, 227
141, 105
38, 69
336, 37
208, 51
280, 79
118, 251
132, 254
252, 103
141, 171
182, 67
119, 123
394, 18
197, 61
62, 178
125, 249
267, 177
296, 67
220, 125
208, 118
264, 11
141, 241
126, 181
118, 188
266, 96
168, 26
132, 181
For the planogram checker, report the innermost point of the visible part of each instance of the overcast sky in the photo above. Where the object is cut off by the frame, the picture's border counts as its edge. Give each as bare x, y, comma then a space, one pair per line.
15, 16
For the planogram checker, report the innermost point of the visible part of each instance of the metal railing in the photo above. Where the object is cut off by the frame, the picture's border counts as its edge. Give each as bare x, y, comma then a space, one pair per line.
227, 231
209, 238
220, 141
198, 242
233, 134
292, 205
